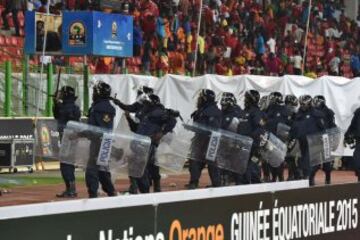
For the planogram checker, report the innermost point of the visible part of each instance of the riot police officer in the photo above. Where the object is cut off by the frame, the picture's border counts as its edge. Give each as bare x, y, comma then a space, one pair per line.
307, 121
276, 113
319, 103
64, 110
251, 123
207, 114
291, 103
230, 111
101, 114
157, 122
140, 109
352, 138
230, 120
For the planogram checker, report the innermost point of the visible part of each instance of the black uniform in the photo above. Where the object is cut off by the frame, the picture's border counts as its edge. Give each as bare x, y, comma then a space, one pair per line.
207, 114
307, 121
352, 136
140, 110
329, 122
275, 115
155, 124
251, 124
230, 117
152, 120
101, 114
64, 110
293, 172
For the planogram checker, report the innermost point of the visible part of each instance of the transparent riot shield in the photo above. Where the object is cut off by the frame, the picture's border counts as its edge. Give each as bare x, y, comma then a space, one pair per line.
233, 152
272, 149
173, 150
47, 139
294, 149
129, 154
228, 150
200, 137
282, 132
322, 144
81, 144
87, 146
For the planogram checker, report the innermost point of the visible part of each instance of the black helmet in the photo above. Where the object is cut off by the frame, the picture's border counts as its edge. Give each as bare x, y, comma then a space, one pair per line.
291, 100
208, 95
101, 90
228, 99
67, 92
145, 90
205, 96
305, 101
252, 97
276, 98
319, 101
154, 99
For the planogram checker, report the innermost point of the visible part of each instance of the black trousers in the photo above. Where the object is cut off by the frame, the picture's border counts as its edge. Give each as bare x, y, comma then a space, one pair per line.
196, 168
93, 176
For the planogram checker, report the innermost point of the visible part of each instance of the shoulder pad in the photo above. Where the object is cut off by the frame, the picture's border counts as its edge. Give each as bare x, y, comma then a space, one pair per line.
212, 111
317, 113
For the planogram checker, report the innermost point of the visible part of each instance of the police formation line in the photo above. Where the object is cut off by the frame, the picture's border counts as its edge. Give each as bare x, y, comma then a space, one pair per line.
270, 122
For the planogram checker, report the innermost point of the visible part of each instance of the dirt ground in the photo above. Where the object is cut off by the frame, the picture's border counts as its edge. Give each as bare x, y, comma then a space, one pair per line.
39, 194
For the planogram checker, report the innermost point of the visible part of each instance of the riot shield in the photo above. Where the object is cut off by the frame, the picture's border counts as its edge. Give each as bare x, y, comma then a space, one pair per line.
200, 137
294, 150
228, 150
173, 150
87, 146
282, 132
272, 149
233, 152
129, 154
322, 144
80, 144
47, 139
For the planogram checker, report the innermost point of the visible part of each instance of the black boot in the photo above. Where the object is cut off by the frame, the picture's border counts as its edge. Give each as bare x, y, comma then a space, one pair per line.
157, 186
65, 193
311, 181
327, 178
133, 189
72, 189
192, 185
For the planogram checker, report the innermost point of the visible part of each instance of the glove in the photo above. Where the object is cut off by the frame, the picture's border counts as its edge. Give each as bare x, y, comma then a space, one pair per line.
116, 101
255, 159
291, 144
264, 139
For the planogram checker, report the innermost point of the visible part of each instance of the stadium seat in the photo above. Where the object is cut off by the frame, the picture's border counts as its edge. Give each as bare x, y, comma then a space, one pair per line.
7, 41
14, 41
2, 41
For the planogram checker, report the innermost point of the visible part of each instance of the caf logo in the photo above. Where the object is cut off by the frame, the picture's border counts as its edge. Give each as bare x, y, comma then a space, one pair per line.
77, 34
114, 28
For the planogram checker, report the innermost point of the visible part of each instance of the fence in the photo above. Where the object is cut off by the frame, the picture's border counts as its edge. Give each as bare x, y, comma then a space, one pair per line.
22, 93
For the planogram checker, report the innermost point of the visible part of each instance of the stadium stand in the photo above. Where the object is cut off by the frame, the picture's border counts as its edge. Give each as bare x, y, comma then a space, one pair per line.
236, 37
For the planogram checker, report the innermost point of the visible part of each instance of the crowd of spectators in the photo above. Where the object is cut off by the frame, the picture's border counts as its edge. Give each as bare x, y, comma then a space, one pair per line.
263, 37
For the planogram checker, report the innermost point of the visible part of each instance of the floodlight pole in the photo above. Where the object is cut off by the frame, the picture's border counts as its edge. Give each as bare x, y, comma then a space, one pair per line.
306, 38
197, 37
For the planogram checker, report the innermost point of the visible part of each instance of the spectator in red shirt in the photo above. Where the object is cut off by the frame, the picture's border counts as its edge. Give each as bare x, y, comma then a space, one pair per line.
273, 65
